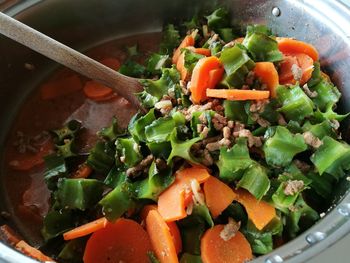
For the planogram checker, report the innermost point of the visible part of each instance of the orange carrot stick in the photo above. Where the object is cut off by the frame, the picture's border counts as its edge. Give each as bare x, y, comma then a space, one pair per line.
27, 161
97, 91
200, 77
289, 46
259, 212
218, 195
202, 51
268, 74
123, 241
83, 171
171, 203
32, 252
161, 238
86, 229
61, 86
215, 249
238, 94
186, 42
215, 77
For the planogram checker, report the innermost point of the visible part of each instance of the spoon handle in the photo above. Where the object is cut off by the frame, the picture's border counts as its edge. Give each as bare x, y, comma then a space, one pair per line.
29, 37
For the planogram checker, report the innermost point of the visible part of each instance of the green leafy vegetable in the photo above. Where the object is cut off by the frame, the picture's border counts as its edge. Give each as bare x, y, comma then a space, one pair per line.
78, 193
170, 40
160, 129
101, 157
332, 157
237, 65
118, 201
132, 69
327, 94
182, 148
55, 168
233, 162
296, 105
260, 241
283, 146
189, 258
219, 18
156, 89
320, 130
157, 181
235, 110
156, 62
316, 76
138, 125
128, 150
255, 180
73, 250
112, 132
57, 222
262, 47
262, 29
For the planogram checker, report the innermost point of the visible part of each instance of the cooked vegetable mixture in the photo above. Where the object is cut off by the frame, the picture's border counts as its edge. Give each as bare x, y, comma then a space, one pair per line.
236, 153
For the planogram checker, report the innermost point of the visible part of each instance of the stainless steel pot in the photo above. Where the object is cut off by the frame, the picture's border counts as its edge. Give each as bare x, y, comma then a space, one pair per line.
82, 24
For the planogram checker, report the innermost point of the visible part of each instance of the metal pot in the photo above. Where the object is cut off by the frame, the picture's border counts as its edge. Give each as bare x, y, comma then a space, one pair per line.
82, 24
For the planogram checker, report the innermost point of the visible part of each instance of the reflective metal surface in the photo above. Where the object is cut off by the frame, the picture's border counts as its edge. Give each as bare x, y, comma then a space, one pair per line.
82, 24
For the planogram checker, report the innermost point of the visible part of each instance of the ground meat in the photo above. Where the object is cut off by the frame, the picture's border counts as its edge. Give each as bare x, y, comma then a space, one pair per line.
194, 108
297, 72
312, 140
205, 132
231, 124
311, 94
238, 126
165, 106
198, 197
281, 121
230, 229
219, 121
252, 140
136, 170
258, 106
261, 121
214, 146
293, 186
207, 159
335, 124
302, 166
226, 131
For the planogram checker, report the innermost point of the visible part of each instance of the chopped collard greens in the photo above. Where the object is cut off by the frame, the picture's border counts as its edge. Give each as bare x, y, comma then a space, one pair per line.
240, 136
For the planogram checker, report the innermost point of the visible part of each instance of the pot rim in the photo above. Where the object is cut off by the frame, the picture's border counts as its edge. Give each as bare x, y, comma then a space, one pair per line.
325, 233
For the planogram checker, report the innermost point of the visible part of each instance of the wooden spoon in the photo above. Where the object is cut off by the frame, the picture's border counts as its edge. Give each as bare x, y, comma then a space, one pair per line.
29, 37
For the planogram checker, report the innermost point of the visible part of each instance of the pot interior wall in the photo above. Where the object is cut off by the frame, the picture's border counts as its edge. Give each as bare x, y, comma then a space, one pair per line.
83, 24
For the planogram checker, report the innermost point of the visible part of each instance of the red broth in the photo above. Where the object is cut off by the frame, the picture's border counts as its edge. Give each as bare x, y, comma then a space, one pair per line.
26, 190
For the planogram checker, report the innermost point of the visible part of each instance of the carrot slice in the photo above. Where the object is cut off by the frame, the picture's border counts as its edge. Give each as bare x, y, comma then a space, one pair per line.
97, 91
218, 195
215, 77
260, 212
86, 229
200, 77
180, 65
285, 72
8, 235
268, 74
238, 94
112, 63
291, 46
27, 161
214, 249
202, 51
83, 171
171, 203
60, 86
123, 241
161, 238
176, 236
307, 66
303, 61
32, 252
186, 42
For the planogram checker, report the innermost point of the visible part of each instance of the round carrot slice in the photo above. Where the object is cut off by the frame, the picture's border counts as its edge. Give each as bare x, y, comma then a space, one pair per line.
214, 249
97, 91
307, 66
123, 241
289, 46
